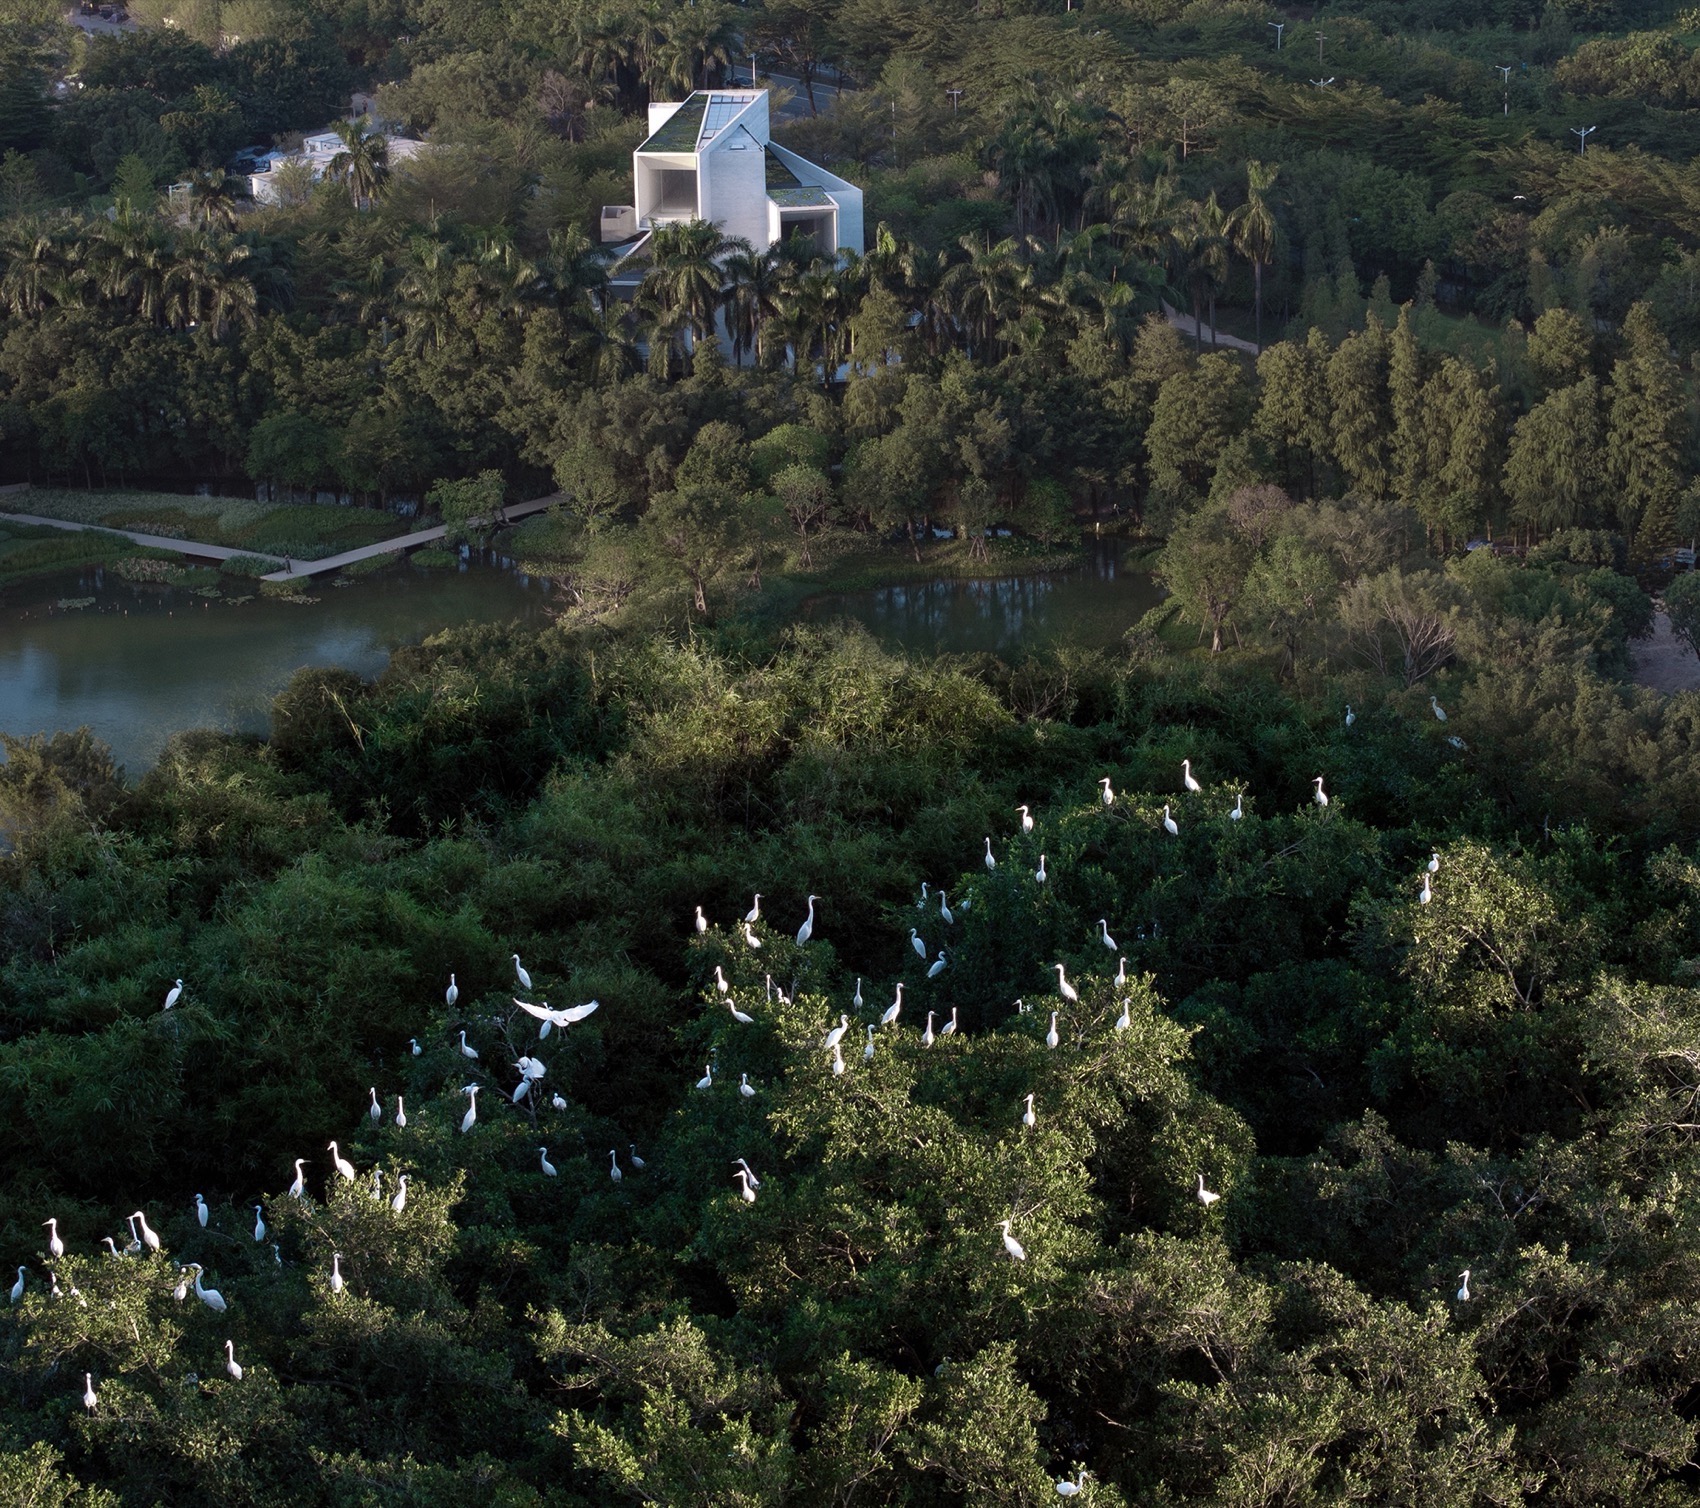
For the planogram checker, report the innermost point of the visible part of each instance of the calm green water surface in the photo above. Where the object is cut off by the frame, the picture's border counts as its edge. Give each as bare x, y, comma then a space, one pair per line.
1091, 607
144, 662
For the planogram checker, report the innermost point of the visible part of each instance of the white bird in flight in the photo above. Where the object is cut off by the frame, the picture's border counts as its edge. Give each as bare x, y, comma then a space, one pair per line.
568, 1017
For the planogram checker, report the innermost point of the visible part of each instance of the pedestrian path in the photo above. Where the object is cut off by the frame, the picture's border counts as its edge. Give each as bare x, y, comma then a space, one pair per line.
288, 569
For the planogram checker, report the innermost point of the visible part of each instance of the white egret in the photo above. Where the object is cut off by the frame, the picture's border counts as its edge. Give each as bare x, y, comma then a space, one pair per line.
211, 1297
1069, 1489
1434, 862
1319, 796
1017, 1252
343, 1167
547, 1166
521, 1089
377, 1185
868, 1051
1427, 893
767, 986
1239, 807
336, 1272
277, 1254
916, 943
259, 1225
558, 1103
636, 1161
452, 993
299, 1187
926, 890
949, 1028
1028, 1118
377, 1110
1125, 1020
89, 1400
399, 1202
1351, 716
1064, 988
520, 974
1104, 935
1106, 794
754, 913
400, 1112
174, 994
55, 1247
231, 1365
465, 1051
201, 1211
563, 1019
111, 1248
927, 1036
991, 863
741, 1017
1464, 1286
467, 1121
945, 912
1437, 709
720, 981
134, 1249
1205, 1197
856, 999
707, 1079
1039, 873
807, 930
614, 1172
836, 1035
413, 1042
892, 1009
750, 936
1121, 974
937, 966
745, 1189
755, 1183
1456, 741
702, 922
1169, 824
837, 1061
1026, 819
18, 1287
1188, 779
1051, 1037
745, 1088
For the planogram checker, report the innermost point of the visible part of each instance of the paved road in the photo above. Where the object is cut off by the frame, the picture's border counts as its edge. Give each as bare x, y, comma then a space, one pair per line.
294, 569
1189, 326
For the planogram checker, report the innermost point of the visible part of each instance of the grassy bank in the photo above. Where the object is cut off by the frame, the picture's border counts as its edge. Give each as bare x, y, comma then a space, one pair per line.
28, 550
303, 531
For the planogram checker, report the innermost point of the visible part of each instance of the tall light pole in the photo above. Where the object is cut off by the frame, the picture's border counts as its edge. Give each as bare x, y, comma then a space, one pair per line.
1280, 26
1582, 136
1323, 83
1505, 84
1319, 41
955, 99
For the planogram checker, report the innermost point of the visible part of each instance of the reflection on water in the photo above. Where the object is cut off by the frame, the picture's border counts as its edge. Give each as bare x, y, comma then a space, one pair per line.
1090, 607
144, 661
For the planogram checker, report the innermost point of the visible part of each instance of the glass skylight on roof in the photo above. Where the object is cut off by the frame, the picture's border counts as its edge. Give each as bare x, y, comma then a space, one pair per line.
721, 110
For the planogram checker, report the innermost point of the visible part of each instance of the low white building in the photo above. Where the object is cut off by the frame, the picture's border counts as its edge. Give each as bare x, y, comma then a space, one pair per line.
318, 151
712, 157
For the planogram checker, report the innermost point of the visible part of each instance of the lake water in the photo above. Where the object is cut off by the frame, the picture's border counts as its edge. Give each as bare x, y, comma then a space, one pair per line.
145, 661
1090, 607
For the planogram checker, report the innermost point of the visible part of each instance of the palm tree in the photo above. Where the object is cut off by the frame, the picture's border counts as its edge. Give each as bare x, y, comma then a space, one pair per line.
364, 161
1253, 229
426, 288
1204, 249
753, 290
212, 200
683, 285
983, 292
132, 260
39, 265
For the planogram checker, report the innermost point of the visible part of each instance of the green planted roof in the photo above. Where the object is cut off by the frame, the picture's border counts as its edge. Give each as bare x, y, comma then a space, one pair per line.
778, 175
679, 131
799, 198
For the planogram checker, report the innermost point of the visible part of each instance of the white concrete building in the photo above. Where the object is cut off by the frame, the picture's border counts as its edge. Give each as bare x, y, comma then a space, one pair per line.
318, 152
711, 157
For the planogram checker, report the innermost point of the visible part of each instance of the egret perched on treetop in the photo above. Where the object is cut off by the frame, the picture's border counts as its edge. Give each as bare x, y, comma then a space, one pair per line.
868, 1051
55, 1247
702, 922
938, 966
1028, 1118
836, 1035
754, 913
259, 1224
1427, 893
636, 1161
470, 1118
211, 1297
707, 1079
343, 1166
400, 1112
750, 936
1434, 862
1068, 1489
201, 1204
231, 1365
991, 863
1169, 824
916, 943
1064, 988
1319, 796
1239, 808
399, 1202
1187, 777
1351, 716
520, 974
748, 1193
1051, 1037
1039, 873
927, 1038
1106, 795
1026, 819
377, 1111
614, 1173
18, 1287
452, 993
1017, 1253
949, 1028
745, 1088
336, 1272
945, 912
1464, 1286
739, 1016
1436, 708
174, 994
892, 1009
89, 1399
1205, 1197
807, 930
466, 1052
1104, 935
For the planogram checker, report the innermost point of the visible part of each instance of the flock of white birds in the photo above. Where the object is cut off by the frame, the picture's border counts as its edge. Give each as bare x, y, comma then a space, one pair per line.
532, 1071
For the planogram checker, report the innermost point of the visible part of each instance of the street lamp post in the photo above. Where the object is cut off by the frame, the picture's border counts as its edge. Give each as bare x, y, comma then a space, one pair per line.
1280, 26
1582, 134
